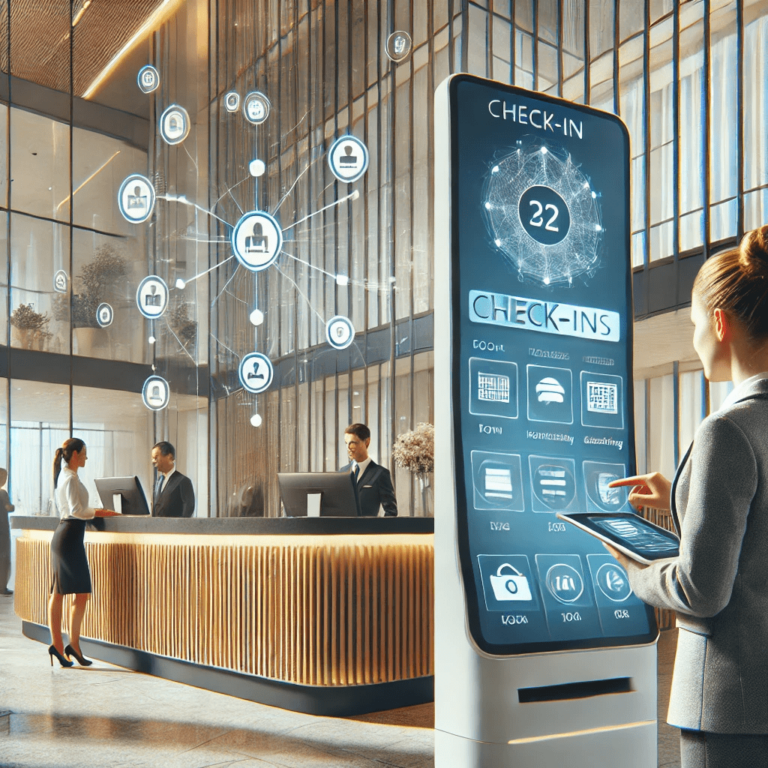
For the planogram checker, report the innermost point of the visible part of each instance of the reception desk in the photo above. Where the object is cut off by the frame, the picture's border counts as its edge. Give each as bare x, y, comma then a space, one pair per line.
327, 616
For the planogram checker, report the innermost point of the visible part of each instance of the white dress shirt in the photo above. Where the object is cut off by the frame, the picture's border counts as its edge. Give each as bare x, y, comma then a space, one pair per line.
363, 466
737, 392
72, 497
166, 478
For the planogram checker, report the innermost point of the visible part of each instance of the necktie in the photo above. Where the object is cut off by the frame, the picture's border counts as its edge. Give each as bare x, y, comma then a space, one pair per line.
160, 481
356, 471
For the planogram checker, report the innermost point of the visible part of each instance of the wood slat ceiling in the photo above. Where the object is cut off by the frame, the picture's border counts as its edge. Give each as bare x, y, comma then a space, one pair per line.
40, 38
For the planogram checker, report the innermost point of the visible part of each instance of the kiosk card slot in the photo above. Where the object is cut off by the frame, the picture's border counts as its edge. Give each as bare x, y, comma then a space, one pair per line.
581, 690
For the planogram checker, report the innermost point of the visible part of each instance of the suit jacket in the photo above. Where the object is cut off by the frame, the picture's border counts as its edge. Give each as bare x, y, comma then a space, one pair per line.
177, 498
374, 487
719, 583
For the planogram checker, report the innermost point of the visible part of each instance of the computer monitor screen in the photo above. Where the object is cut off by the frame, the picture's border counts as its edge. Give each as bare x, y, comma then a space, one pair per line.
337, 491
123, 494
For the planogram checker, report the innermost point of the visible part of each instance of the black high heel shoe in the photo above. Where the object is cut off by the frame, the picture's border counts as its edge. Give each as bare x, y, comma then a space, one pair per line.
81, 660
53, 652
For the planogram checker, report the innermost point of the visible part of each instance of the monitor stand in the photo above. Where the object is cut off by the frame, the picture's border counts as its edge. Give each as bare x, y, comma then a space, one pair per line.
314, 502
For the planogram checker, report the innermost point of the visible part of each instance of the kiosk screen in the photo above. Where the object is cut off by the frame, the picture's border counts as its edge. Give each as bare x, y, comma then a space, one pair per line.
541, 362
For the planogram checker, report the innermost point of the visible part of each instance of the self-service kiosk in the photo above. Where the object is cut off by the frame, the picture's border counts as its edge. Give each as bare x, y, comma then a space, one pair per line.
543, 655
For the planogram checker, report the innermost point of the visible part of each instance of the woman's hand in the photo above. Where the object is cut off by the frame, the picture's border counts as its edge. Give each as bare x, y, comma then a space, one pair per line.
105, 513
651, 490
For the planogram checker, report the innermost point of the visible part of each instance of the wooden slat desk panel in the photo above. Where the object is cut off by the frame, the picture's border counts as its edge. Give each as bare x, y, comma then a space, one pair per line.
311, 610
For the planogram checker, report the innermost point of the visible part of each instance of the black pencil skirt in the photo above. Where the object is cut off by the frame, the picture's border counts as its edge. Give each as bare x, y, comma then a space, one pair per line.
68, 562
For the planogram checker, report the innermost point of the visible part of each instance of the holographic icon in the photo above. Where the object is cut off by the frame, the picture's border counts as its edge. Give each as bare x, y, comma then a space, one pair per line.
104, 315
399, 45
174, 124
564, 583
152, 297
613, 582
232, 101
256, 107
255, 372
148, 79
61, 281
156, 393
339, 332
348, 159
257, 240
136, 198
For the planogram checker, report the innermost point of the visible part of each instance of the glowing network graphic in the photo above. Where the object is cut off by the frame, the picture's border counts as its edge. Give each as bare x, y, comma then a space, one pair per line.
543, 214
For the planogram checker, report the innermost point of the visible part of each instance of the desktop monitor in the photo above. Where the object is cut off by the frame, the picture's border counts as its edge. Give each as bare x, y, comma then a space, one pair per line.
336, 493
123, 494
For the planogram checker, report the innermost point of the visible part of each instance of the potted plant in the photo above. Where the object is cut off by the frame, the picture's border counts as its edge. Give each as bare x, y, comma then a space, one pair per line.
415, 451
30, 328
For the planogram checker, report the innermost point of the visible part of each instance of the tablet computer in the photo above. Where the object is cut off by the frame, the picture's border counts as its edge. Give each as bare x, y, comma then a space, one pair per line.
629, 533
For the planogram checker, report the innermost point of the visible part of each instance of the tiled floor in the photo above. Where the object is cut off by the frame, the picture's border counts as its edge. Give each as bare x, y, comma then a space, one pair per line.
107, 716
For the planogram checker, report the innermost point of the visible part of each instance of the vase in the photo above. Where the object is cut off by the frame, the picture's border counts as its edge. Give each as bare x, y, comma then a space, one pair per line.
86, 340
27, 338
427, 499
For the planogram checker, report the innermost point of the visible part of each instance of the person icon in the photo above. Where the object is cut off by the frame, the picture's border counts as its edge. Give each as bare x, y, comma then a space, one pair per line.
148, 78
255, 374
156, 394
137, 200
400, 45
174, 125
153, 298
348, 158
258, 242
255, 109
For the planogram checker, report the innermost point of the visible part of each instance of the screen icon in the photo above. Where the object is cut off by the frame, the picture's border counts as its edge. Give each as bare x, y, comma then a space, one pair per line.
602, 400
152, 296
612, 581
174, 124
232, 101
148, 79
136, 198
60, 281
348, 158
257, 240
256, 107
564, 583
600, 497
550, 394
104, 315
156, 393
255, 372
507, 579
398, 46
498, 481
339, 332
554, 484
493, 388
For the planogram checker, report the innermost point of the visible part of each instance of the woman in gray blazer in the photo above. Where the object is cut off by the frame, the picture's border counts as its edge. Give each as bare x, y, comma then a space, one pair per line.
718, 585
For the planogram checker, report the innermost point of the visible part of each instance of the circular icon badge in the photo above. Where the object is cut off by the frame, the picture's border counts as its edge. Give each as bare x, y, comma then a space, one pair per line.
257, 240
152, 296
544, 215
565, 583
174, 124
613, 582
156, 393
104, 315
256, 107
340, 332
232, 101
136, 198
348, 159
255, 372
148, 79
61, 281
398, 46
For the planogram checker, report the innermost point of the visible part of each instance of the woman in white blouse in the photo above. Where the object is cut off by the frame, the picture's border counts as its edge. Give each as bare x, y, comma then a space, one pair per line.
71, 575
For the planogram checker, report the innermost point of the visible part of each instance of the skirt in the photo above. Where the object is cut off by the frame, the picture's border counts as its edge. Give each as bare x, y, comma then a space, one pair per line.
68, 561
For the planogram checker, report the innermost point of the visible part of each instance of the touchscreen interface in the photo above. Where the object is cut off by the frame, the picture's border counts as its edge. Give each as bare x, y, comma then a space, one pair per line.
542, 385
636, 534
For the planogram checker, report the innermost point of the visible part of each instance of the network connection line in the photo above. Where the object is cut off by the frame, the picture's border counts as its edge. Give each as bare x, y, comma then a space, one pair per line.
352, 196
183, 200
192, 279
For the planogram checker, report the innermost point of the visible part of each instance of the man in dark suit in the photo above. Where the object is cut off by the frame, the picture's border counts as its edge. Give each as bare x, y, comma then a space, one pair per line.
174, 495
374, 483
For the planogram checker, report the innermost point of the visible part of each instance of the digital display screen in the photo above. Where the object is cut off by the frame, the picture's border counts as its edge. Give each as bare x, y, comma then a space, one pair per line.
541, 366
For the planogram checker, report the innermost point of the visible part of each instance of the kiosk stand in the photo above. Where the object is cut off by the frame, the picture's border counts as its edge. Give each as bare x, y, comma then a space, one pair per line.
543, 655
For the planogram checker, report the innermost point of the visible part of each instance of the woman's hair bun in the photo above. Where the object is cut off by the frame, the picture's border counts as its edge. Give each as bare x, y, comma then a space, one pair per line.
753, 251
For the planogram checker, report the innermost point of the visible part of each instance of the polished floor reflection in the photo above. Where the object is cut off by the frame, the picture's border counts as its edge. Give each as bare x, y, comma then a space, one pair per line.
104, 715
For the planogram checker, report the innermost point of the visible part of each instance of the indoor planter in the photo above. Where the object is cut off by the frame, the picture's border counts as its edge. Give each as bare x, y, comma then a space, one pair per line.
29, 328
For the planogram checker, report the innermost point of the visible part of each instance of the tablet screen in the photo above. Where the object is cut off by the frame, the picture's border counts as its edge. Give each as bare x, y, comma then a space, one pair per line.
634, 533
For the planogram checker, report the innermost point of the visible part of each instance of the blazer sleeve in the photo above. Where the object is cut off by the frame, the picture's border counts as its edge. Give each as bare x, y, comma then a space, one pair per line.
387, 494
723, 482
187, 497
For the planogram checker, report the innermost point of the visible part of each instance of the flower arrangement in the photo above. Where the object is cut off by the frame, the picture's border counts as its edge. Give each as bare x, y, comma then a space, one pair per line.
415, 451
32, 326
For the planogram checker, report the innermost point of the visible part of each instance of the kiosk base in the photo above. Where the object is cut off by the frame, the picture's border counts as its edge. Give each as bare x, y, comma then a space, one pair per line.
633, 745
